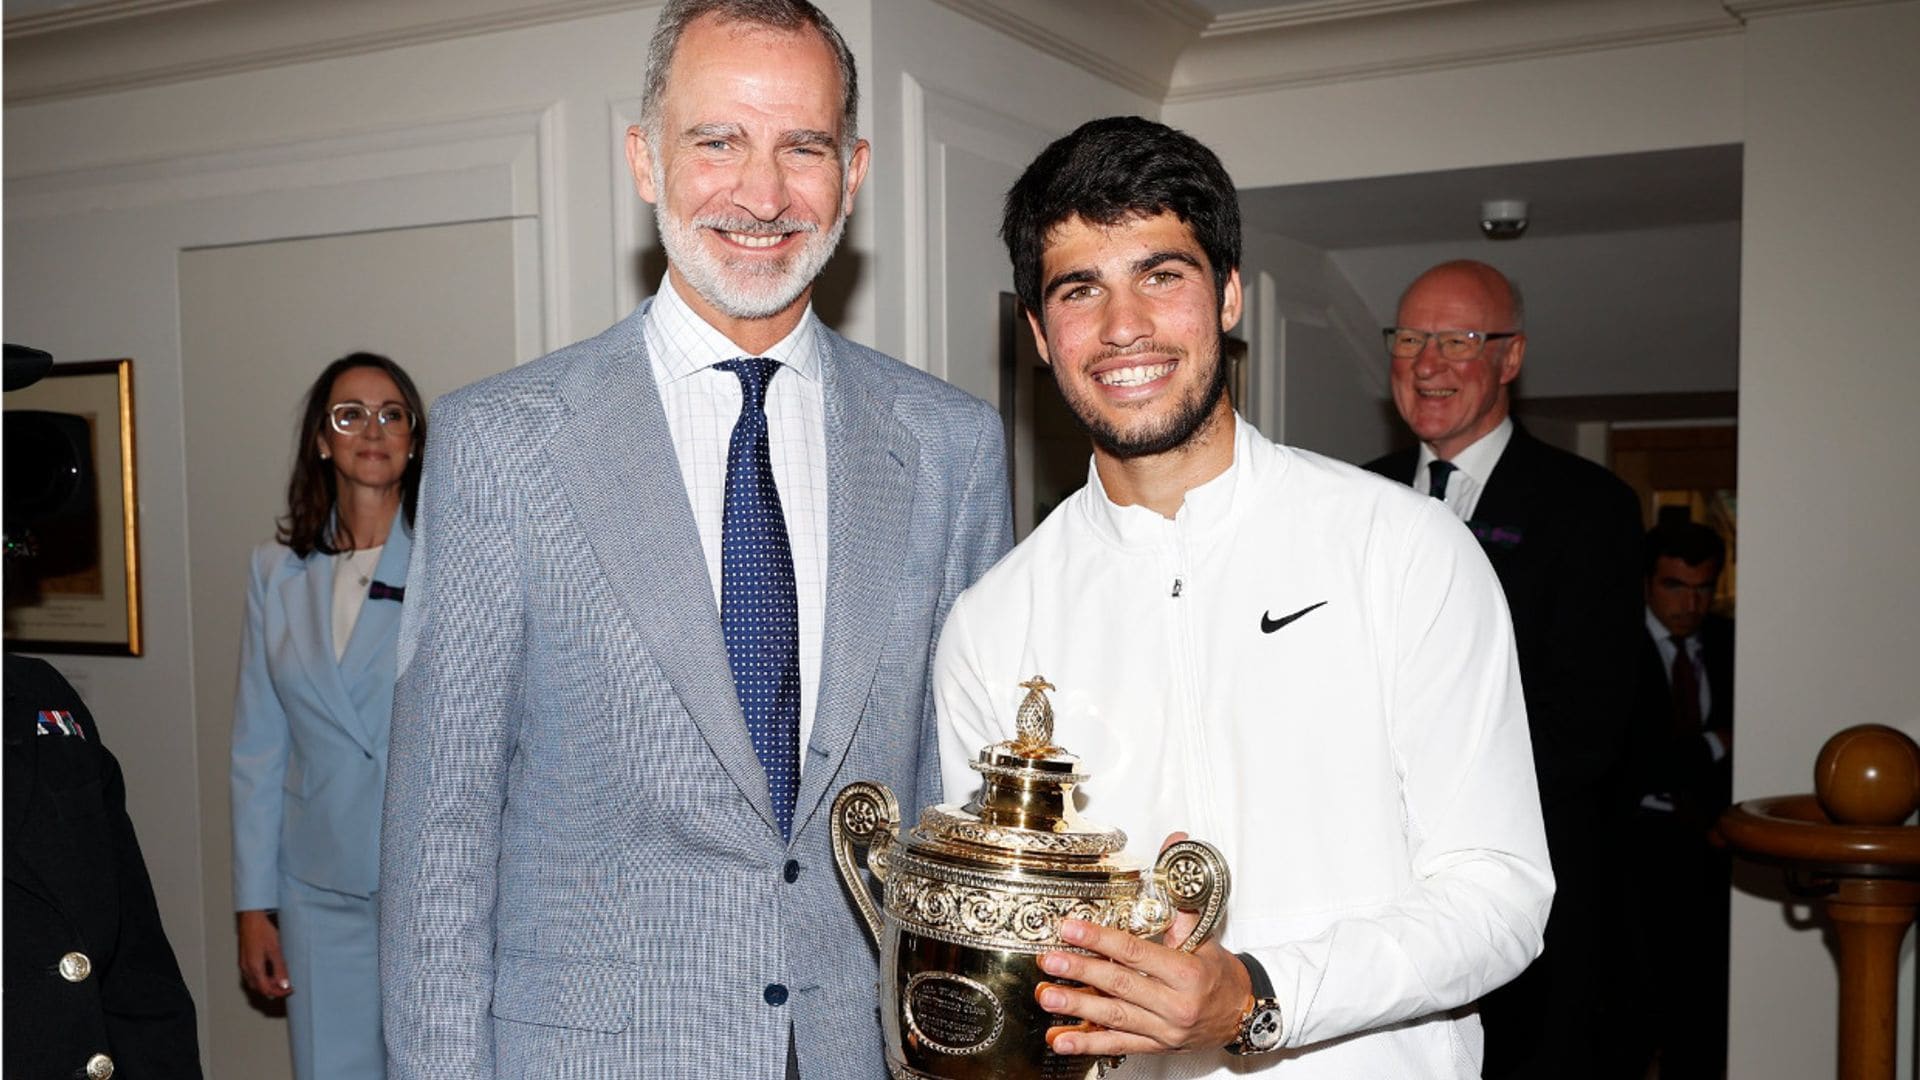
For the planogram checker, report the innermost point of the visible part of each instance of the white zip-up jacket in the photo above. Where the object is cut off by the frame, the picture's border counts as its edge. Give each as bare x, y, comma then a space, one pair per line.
1312, 668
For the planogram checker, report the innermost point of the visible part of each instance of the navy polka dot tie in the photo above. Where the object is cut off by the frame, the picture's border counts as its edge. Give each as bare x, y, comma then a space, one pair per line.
759, 607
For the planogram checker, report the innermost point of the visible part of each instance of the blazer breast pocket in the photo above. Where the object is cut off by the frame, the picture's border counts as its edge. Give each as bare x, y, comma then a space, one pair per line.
562, 992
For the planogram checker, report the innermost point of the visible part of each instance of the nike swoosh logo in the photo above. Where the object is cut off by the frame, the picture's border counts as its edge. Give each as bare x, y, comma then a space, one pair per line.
1268, 624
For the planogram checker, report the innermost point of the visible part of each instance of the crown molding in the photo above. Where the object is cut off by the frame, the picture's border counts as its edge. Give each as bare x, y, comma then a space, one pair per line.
130, 44
50, 22
1135, 44
1418, 36
1306, 14
1760, 9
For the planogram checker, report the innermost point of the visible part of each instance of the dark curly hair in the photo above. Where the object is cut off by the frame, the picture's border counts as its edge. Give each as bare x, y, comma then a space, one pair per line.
309, 524
1109, 171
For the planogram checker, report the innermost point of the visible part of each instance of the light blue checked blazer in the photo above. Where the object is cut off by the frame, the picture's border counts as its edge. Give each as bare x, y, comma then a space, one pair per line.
581, 872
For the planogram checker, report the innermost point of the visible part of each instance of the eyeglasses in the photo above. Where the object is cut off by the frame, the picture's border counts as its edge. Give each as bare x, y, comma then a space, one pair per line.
350, 417
1405, 344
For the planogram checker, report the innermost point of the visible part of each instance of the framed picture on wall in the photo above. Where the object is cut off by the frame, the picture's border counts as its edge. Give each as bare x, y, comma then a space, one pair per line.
72, 530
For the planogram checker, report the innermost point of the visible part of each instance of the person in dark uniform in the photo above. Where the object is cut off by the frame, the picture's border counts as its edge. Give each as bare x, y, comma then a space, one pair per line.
92, 987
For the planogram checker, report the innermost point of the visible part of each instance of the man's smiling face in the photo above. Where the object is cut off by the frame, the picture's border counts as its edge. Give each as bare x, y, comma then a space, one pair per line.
746, 174
1131, 325
1450, 404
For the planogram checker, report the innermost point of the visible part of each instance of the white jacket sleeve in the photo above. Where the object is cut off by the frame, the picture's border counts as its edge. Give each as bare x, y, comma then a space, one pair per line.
1481, 882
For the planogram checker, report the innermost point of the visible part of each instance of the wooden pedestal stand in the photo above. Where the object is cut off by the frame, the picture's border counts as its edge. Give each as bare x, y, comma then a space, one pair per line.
1846, 848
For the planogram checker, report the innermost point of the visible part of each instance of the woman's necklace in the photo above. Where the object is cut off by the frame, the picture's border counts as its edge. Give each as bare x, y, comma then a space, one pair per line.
361, 563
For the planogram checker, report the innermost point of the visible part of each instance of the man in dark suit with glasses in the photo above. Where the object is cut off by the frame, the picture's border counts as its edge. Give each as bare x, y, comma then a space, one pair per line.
1564, 536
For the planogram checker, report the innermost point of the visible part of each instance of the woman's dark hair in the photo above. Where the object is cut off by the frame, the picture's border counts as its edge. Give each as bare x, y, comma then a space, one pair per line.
1109, 171
309, 524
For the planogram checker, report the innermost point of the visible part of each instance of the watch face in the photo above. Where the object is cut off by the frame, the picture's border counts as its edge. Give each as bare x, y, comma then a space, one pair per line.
1262, 1030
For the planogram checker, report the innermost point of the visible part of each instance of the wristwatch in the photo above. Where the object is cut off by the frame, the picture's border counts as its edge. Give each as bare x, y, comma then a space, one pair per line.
1260, 1028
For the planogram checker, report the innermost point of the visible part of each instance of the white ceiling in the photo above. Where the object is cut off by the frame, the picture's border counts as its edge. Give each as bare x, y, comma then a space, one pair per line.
1566, 198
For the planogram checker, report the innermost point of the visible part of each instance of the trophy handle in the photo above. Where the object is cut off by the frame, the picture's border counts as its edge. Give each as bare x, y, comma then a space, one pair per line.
865, 814
1194, 876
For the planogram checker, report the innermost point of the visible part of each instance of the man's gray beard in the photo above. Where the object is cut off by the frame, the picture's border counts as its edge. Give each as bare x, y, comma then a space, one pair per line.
756, 291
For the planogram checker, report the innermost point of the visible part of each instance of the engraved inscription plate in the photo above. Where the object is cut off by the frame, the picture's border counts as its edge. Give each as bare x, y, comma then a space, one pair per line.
952, 1013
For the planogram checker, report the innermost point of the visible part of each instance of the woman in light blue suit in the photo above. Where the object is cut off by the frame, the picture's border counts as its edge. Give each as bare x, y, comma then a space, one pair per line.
311, 714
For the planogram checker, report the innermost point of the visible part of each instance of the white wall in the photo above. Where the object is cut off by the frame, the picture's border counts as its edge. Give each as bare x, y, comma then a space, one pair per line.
1829, 392
1609, 101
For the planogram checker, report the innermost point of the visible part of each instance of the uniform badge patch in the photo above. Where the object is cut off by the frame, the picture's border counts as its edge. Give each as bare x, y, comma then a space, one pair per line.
58, 722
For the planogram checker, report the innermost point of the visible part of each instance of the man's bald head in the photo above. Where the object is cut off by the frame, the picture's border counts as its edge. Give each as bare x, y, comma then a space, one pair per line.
1471, 275
1452, 403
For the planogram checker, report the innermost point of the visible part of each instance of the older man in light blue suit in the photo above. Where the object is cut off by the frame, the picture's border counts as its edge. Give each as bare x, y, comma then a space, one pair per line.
597, 862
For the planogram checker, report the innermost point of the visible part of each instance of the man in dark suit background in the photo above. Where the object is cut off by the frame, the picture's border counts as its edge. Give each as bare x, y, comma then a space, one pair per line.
1564, 536
1683, 773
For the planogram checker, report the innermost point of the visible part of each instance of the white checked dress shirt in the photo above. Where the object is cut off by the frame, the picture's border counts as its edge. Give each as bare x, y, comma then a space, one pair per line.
702, 403
1472, 467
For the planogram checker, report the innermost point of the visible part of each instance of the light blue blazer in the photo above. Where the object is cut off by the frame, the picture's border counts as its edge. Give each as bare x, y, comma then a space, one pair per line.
310, 733
584, 874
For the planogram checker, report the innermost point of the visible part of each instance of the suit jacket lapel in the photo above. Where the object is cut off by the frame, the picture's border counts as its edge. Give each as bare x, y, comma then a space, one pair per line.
1503, 501
620, 473
307, 598
871, 458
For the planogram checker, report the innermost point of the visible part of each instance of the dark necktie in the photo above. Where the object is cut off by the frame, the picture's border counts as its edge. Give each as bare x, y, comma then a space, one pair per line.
1437, 473
1686, 691
759, 606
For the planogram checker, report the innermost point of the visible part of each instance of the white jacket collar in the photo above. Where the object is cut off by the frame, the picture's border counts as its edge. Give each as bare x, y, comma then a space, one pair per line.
1207, 510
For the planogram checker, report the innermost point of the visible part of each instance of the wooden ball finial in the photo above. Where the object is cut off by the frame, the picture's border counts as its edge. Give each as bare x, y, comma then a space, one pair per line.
1868, 775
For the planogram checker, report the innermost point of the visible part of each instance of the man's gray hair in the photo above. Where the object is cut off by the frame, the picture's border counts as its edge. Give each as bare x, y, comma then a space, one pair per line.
787, 15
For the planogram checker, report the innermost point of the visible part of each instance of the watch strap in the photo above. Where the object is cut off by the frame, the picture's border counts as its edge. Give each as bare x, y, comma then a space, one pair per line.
1259, 1029
1257, 975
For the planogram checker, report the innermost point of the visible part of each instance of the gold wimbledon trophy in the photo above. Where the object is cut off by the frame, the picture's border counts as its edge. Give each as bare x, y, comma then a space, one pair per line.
973, 896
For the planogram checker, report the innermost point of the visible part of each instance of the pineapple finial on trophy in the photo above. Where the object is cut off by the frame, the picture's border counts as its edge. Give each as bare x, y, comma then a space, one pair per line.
1033, 724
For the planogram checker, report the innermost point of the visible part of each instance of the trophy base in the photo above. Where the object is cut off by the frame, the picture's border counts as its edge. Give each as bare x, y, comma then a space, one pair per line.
967, 1013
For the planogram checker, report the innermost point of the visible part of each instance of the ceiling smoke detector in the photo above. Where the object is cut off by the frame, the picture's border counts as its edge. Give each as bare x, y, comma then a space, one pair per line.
1503, 219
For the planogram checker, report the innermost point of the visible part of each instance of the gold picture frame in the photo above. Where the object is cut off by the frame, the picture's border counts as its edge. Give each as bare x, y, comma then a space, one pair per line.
73, 536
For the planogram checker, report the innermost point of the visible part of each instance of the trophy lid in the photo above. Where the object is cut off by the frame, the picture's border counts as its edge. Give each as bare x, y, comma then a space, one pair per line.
1026, 802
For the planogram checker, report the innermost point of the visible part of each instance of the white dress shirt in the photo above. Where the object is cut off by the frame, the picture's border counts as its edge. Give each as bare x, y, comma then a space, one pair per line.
702, 404
1473, 467
1363, 763
352, 575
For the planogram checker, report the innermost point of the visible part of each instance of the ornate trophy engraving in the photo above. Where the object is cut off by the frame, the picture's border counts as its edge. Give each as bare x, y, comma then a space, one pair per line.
973, 895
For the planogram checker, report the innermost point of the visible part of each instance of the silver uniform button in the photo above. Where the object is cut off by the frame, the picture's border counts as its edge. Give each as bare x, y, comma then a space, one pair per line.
75, 967
99, 1067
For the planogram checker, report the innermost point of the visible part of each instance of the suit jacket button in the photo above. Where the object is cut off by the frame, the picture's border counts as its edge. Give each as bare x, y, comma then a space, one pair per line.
776, 994
99, 1067
791, 872
75, 967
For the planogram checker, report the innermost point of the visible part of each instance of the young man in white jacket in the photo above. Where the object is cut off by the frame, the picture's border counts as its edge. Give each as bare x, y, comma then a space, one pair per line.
1305, 664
